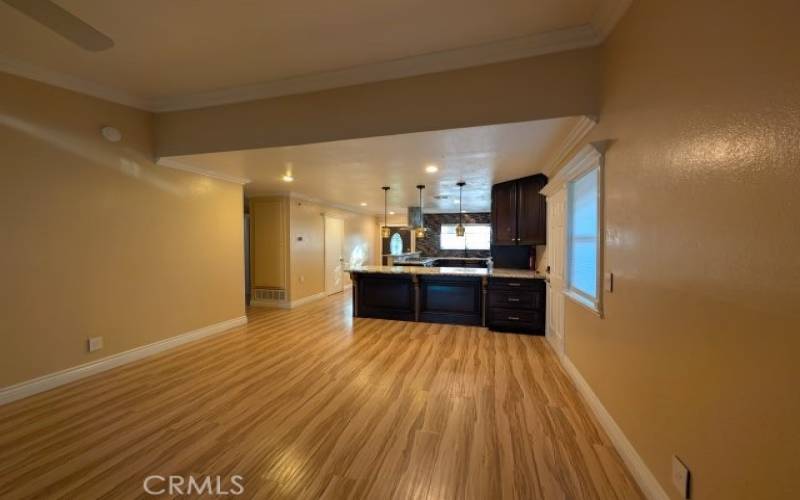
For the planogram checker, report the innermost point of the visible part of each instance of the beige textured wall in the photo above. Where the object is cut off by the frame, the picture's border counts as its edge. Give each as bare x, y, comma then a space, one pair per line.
698, 353
553, 85
97, 240
304, 266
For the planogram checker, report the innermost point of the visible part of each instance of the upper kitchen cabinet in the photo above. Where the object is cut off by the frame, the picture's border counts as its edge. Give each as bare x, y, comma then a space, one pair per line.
504, 213
519, 212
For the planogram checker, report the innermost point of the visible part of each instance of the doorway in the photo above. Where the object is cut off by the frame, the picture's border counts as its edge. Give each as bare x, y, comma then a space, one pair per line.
334, 255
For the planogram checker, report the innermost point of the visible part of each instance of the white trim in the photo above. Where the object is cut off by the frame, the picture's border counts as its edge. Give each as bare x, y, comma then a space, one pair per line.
587, 35
179, 165
73, 83
446, 60
584, 160
573, 138
641, 473
52, 380
586, 302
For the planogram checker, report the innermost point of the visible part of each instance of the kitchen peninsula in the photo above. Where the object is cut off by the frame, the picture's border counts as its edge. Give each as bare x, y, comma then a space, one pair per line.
502, 299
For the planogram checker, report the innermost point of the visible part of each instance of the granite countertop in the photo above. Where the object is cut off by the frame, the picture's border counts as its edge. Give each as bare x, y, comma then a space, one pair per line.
497, 272
424, 260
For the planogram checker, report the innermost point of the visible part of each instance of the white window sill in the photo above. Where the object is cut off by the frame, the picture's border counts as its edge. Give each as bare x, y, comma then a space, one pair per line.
583, 301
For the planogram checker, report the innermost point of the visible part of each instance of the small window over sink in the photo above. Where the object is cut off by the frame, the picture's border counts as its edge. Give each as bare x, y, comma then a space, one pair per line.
476, 237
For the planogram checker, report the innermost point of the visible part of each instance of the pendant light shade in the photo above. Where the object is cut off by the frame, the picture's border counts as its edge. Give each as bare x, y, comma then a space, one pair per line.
419, 232
385, 228
460, 231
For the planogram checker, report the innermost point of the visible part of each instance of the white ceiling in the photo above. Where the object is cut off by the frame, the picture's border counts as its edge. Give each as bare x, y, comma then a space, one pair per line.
189, 53
350, 172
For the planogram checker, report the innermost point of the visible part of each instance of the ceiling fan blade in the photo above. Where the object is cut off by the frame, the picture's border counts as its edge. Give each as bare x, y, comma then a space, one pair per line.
62, 22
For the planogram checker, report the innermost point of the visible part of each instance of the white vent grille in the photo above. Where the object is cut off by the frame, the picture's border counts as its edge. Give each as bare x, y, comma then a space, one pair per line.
271, 294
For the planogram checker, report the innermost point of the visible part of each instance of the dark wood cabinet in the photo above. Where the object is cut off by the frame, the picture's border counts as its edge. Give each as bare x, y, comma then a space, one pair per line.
519, 212
531, 211
385, 296
504, 213
450, 299
516, 305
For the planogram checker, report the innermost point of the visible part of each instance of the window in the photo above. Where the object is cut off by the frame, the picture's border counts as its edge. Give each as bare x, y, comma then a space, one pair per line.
476, 237
583, 240
396, 244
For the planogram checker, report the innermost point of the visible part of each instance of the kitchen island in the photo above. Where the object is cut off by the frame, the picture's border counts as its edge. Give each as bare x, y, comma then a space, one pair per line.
502, 299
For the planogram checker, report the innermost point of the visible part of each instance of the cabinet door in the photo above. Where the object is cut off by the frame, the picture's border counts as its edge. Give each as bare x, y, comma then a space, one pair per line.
531, 211
504, 213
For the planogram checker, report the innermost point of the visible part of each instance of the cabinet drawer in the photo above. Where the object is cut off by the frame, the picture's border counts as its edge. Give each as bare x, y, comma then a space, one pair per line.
515, 284
517, 299
516, 320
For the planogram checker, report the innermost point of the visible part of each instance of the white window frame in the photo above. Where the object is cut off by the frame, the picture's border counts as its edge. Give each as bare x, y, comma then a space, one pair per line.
466, 226
589, 158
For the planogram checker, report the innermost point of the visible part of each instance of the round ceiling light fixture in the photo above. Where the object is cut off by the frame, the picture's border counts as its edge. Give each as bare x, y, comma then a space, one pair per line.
431, 169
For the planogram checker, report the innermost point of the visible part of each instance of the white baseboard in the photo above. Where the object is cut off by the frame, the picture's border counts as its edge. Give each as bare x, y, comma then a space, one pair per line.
641, 473
52, 380
306, 300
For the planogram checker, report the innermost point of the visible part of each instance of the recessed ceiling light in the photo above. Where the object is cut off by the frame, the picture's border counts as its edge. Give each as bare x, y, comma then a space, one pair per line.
431, 169
391, 213
287, 178
363, 204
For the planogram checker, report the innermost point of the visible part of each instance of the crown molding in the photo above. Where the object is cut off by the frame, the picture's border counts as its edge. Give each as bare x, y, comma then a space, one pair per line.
573, 138
588, 35
73, 83
589, 156
179, 165
607, 16
494, 52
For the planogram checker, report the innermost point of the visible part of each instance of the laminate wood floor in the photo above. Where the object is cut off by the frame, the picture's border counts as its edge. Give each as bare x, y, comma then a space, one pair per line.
311, 403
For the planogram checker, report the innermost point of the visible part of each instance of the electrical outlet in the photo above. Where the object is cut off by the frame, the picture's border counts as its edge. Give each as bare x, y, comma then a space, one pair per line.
680, 477
95, 344
302, 279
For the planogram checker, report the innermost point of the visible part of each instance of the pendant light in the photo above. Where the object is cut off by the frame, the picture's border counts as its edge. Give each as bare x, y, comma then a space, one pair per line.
385, 228
420, 230
460, 227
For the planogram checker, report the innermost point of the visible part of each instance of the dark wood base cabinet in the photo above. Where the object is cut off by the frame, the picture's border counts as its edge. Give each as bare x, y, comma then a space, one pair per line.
384, 296
500, 303
516, 305
450, 299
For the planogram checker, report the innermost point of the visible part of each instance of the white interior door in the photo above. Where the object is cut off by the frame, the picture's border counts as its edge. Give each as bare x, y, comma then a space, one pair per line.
556, 257
334, 260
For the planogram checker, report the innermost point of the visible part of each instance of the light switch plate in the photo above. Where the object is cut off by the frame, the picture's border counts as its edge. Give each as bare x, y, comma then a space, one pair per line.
95, 344
680, 477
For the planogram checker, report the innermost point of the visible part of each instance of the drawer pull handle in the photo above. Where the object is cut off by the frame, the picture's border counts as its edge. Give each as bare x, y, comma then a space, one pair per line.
513, 284
514, 318
513, 299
